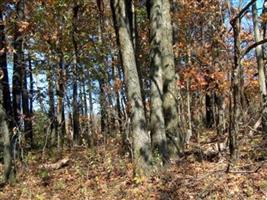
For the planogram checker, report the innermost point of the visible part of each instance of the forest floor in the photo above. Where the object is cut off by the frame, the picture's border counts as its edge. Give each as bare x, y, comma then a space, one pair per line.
104, 174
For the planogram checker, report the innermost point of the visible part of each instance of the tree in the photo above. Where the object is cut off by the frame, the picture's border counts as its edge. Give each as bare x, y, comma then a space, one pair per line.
5, 106
157, 122
261, 68
76, 122
141, 139
170, 78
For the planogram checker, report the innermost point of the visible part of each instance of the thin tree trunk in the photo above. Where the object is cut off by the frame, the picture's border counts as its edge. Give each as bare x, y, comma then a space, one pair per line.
60, 104
75, 107
209, 111
51, 114
25, 107
31, 100
141, 139
235, 103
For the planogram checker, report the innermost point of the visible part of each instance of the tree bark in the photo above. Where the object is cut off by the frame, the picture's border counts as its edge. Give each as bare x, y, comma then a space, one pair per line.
60, 103
51, 114
75, 107
157, 122
3, 66
141, 139
5, 106
261, 68
170, 90
17, 82
236, 98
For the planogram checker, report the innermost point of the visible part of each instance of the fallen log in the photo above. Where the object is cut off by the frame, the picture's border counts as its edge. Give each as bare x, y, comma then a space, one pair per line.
54, 166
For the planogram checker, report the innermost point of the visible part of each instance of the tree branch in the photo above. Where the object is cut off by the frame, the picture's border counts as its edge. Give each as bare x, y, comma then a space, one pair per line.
242, 12
249, 48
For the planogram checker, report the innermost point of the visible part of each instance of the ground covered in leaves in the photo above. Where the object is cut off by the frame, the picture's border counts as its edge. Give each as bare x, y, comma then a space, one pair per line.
104, 174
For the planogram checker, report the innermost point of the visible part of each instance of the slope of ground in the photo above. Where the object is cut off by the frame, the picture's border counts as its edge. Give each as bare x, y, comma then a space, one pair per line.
104, 174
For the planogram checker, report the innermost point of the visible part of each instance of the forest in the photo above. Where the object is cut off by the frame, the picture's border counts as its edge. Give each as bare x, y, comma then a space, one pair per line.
133, 99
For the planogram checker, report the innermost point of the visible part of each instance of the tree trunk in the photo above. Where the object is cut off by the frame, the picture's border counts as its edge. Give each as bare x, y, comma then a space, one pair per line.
261, 68
141, 139
18, 65
4, 72
75, 107
25, 107
30, 100
60, 104
51, 114
236, 99
170, 90
209, 109
5, 107
157, 123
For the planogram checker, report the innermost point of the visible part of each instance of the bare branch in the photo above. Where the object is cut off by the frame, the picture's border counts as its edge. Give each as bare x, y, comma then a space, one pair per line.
239, 15
249, 48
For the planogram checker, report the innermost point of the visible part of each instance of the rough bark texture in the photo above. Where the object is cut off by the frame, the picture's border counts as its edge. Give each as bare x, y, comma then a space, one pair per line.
157, 122
4, 72
235, 102
261, 69
18, 65
141, 139
170, 90
5, 104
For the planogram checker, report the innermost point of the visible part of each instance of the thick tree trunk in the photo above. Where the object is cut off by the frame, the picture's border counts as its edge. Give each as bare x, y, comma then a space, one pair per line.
170, 90
5, 106
17, 82
8, 174
157, 122
4, 72
141, 139
261, 69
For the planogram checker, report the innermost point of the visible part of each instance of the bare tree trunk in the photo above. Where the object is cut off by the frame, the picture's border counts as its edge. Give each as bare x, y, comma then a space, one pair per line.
75, 107
157, 122
25, 107
18, 64
4, 72
141, 139
30, 100
209, 111
236, 99
5, 107
261, 69
60, 104
170, 90
51, 114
